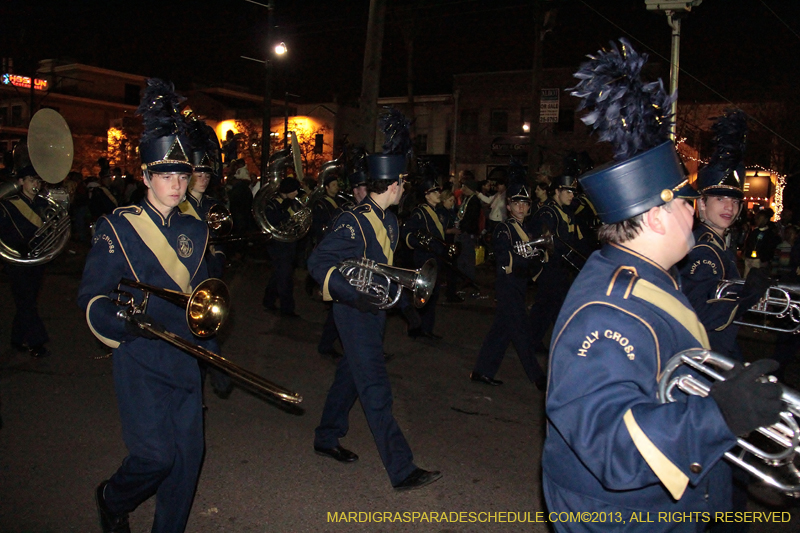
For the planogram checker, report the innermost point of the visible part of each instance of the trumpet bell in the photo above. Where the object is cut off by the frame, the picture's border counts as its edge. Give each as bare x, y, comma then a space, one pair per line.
208, 307
219, 220
424, 283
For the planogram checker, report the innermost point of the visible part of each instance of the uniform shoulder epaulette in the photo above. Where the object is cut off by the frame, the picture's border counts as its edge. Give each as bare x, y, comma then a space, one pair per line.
134, 209
622, 281
362, 208
706, 236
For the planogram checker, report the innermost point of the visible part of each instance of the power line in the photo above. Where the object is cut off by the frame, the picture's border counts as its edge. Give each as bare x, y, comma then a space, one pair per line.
692, 76
780, 19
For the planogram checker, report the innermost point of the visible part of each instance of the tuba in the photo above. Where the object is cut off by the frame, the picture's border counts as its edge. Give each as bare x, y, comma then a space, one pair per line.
298, 225
773, 461
50, 151
375, 281
207, 308
776, 305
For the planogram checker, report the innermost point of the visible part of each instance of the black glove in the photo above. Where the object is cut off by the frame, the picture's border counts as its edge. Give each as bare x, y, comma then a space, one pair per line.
132, 326
755, 286
412, 316
745, 402
365, 305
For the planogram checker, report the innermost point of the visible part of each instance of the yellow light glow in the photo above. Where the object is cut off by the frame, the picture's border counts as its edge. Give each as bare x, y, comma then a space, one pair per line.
223, 127
280, 49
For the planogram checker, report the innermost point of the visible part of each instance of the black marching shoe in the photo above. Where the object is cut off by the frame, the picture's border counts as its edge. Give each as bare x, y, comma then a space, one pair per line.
20, 347
109, 522
340, 454
480, 378
418, 479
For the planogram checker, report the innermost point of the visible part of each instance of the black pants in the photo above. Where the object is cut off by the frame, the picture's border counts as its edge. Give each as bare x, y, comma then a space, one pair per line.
26, 282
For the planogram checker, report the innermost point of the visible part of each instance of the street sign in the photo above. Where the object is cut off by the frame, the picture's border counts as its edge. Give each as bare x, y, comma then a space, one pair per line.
548, 106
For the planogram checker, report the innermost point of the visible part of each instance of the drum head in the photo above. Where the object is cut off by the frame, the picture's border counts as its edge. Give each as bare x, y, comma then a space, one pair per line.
50, 145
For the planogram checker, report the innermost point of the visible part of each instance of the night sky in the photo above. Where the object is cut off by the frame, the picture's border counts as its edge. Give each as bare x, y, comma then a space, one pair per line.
739, 48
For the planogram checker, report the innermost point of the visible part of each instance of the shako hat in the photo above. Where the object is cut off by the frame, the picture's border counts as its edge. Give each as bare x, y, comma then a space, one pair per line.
724, 174
633, 116
393, 162
205, 153
165, 145
518, 192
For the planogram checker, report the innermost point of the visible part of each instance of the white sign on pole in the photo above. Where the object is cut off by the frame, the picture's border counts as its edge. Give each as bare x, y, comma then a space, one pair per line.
548, 106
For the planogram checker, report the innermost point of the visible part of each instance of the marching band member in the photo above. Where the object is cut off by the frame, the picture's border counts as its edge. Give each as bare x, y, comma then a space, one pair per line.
555, 218
158, 386
611, 446
358, 184
425, 219
198, 204
510, 320
20, 218
371, 231
712, 261
468, 222
324, 209
281, 283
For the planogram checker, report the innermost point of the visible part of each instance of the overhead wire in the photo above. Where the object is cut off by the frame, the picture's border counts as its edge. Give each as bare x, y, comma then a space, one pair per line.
689, 74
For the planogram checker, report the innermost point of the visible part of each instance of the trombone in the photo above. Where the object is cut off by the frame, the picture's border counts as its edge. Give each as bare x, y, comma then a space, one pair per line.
776, 303
207, 308
776, 468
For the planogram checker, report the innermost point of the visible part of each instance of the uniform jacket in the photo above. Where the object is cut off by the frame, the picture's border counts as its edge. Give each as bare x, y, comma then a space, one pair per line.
322, 213
559, 222
425, 219
20, 218
469, 213
510, 266
215, 255
101, 201
610, 443
708, 263
138, 243
364, 231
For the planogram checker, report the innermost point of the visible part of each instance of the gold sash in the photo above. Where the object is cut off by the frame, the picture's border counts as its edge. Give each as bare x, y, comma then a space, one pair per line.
26, 211
572, 227
673, 307
187, 208
382, 236
435, 219
157, 243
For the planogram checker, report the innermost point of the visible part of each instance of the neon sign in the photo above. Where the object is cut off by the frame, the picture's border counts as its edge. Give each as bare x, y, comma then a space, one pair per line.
25, 82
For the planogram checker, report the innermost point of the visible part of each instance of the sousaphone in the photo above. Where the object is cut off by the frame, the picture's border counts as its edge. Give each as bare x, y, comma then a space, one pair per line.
49, 150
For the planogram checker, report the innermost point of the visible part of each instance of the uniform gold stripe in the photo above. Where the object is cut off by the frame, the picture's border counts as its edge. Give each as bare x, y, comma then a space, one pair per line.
326, 293
673, 307
521, 232
187, 208
105, 340
435, 218
670, 475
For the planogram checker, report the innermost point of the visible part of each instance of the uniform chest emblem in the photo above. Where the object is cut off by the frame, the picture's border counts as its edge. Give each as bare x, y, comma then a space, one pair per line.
185, 246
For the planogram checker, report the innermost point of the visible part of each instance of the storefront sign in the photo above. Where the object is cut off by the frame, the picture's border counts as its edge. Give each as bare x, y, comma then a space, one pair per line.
25, 82
512, 145
548, 106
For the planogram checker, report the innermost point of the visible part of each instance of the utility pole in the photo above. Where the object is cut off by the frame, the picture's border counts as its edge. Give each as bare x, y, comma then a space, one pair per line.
539, 14
371, 76
267, 117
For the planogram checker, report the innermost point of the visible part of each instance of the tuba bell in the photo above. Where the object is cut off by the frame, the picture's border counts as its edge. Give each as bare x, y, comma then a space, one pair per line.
375, 280
773, 461
49, 150
298, 225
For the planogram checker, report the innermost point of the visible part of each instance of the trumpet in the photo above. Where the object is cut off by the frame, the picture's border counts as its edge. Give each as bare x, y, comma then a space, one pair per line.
534, 248
207, 308
375, 280
219, 220
776, 468
426, 241
777, 303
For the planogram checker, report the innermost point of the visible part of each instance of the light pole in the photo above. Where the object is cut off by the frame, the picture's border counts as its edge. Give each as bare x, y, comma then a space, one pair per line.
675, 10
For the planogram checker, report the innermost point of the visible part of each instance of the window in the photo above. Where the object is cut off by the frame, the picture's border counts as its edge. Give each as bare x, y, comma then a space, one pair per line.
318, 143
132, 94
421, 143
468, 122
16, 115
448, 142
499, 121
566, 120
3, 116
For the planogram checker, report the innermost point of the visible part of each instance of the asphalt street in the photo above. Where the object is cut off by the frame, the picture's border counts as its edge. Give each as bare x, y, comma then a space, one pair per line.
61, 433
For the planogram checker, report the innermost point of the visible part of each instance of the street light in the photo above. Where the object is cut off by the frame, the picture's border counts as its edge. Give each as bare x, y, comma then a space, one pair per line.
675, 10
280, 48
